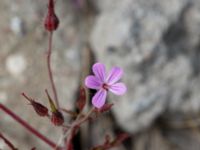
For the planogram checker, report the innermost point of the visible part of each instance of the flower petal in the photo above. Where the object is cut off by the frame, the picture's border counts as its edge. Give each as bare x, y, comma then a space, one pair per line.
99, 98
118, 88
114, 75
92, 82
100, 71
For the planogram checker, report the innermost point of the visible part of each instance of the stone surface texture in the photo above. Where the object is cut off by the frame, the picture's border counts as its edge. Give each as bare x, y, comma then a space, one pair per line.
156, 42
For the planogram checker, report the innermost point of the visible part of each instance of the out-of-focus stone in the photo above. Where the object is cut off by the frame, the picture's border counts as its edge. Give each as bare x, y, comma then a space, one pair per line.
3, 97
157, 44
16, 25
16, 64
2, 145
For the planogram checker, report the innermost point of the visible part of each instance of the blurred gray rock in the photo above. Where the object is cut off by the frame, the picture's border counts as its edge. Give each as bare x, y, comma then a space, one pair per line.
157, 44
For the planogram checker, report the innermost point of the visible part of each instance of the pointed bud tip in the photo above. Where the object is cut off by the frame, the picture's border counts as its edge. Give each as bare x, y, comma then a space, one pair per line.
40, 109
52, 105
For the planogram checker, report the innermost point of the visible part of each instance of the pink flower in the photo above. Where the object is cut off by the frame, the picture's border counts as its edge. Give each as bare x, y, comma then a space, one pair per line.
103, 84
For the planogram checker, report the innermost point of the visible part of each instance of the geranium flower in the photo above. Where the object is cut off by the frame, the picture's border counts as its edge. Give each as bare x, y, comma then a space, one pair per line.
102, 83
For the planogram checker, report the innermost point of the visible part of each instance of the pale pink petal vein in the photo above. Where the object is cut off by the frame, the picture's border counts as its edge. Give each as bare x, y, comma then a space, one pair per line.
114, 75
92, 82
99, 98
100, 71
118, 88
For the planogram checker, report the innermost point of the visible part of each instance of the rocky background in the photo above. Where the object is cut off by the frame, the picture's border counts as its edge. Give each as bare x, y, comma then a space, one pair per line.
156, 42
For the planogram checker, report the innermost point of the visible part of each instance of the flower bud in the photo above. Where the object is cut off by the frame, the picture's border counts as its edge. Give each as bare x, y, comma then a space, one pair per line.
51, 21
40, 109
57, 118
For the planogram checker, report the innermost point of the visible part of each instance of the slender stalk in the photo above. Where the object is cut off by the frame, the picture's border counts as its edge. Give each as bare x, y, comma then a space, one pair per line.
86, 117
12, 147
74, 126
69, 143
27, 126
50, 70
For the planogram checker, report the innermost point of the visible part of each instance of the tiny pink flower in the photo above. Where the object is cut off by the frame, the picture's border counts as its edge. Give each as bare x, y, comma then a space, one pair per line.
102, 83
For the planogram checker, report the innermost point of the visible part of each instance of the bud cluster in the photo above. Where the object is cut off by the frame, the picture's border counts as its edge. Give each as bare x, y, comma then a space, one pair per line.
56, 117
78, 116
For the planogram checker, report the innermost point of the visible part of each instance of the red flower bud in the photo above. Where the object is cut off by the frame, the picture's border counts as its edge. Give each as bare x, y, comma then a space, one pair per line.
51, 21
40, 109
57, 118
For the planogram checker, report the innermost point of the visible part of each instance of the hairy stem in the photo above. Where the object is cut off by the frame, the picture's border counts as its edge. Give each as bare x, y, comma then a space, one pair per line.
27, 126
50, 70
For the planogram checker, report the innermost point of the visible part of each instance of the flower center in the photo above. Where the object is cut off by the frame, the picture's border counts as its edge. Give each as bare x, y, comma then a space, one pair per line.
105, 86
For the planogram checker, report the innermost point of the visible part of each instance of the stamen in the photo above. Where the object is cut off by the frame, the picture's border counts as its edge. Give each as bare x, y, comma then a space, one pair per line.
105, 86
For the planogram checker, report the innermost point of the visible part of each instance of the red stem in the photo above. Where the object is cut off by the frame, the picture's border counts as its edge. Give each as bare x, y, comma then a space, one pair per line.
77, 123
12, 147
27, 126
26, 97
50, 70
69, 144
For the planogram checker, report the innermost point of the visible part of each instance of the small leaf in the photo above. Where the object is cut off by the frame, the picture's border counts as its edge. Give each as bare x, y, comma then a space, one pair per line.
52, 105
